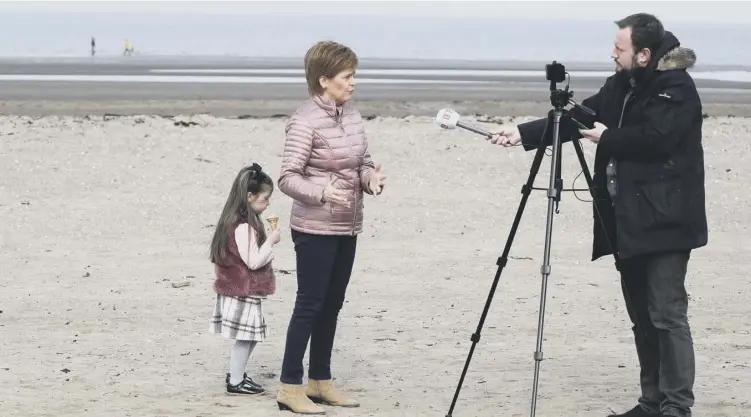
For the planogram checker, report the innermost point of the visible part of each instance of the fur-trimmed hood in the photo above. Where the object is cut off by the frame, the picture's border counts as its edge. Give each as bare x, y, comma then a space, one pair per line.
677, 58
670, 55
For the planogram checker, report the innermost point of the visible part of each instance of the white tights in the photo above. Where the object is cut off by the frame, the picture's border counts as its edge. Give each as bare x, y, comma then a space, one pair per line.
238, 360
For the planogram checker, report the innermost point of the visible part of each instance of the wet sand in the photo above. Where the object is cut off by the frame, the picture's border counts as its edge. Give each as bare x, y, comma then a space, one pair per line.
506, 95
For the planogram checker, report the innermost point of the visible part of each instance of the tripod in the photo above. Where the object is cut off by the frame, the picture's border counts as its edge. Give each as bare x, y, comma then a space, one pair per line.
559, 99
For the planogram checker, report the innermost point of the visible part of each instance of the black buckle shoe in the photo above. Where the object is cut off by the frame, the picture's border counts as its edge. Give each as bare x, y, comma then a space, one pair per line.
637, 411
244, 387
247, 379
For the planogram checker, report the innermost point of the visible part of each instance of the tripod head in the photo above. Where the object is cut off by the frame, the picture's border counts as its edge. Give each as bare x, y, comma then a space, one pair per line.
556, 73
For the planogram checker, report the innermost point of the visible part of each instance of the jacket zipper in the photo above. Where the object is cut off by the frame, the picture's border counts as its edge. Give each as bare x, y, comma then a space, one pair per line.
620, 123
354, 210
356, 185
623, 109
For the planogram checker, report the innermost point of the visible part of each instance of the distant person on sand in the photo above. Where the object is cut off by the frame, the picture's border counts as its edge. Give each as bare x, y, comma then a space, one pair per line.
128, 51
242, 253
649, 191
93, 46
326, 168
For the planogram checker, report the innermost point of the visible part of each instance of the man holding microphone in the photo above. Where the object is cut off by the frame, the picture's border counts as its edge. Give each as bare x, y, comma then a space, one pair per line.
649, 192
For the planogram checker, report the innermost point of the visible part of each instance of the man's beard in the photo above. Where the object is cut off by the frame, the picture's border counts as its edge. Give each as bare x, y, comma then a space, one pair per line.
635, 71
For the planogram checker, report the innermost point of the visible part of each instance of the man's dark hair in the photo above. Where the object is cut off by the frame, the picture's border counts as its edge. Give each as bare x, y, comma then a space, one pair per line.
646, 30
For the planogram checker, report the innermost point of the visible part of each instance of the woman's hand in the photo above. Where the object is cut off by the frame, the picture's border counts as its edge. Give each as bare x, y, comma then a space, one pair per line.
377, 181
334, 195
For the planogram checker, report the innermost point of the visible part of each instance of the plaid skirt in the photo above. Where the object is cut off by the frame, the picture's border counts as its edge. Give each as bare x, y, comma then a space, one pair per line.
239, 318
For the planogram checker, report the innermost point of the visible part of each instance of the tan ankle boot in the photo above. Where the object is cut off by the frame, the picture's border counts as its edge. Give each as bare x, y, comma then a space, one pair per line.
293, 398
325, 392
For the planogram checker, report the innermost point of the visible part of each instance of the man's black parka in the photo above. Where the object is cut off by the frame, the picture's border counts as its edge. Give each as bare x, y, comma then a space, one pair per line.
660, 202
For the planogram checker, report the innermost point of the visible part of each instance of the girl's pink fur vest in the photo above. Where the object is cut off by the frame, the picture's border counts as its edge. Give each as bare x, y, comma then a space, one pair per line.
235, 279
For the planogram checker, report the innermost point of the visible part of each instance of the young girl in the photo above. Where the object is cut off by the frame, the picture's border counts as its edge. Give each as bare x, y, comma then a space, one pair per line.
242, 253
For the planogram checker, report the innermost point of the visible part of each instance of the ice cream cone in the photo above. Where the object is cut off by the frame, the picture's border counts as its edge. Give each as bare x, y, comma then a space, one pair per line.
273, 220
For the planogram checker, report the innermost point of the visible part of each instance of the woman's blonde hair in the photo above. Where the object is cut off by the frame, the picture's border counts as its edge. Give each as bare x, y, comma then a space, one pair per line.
327, 59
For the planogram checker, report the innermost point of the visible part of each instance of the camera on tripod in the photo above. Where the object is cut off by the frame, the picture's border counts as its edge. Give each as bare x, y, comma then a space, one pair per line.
555, 72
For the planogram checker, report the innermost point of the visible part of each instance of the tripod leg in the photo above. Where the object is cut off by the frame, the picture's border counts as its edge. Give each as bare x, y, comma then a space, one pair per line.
501, 262
554, 193
558, 178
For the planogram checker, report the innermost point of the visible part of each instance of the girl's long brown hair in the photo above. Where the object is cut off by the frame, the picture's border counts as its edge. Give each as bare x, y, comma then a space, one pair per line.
250, 179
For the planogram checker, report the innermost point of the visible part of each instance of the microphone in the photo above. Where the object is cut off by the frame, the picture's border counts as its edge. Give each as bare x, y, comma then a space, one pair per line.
449, 119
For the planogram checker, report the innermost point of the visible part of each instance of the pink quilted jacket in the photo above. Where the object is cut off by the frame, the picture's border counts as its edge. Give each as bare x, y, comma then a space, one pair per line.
325, 143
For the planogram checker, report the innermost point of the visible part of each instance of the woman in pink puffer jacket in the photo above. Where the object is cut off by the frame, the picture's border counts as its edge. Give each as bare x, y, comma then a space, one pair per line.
326, 169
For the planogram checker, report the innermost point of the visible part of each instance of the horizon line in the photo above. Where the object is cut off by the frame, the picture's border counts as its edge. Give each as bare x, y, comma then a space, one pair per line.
368, 60
545, 18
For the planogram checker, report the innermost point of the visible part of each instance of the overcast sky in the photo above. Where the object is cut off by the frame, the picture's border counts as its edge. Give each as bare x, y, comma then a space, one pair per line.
668, 11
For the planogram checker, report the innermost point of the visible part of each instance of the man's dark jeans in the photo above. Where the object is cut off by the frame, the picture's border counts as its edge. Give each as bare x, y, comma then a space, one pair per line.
324, 266
655, 293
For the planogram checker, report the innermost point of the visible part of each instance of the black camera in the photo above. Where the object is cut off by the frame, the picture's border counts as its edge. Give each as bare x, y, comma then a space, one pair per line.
555, 72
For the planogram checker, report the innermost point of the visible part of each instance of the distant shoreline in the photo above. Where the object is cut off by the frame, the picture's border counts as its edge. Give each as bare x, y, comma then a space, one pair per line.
254, 87
296, 62
196, 69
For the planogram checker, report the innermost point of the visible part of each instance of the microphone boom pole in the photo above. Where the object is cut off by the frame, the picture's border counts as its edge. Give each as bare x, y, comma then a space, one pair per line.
449, 119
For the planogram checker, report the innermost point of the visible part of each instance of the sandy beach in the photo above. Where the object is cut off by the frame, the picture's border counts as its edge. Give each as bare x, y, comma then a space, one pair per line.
103, 219
106, 297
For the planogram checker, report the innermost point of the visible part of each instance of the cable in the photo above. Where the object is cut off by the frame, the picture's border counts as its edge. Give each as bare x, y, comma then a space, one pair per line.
573, 183
573, 188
